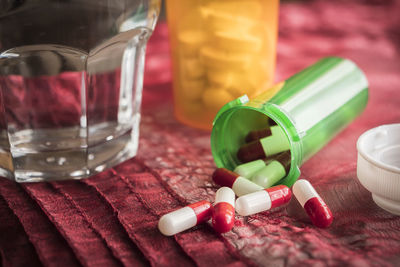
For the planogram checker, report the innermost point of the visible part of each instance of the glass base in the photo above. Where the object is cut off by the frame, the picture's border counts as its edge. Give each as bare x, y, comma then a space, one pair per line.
64, 154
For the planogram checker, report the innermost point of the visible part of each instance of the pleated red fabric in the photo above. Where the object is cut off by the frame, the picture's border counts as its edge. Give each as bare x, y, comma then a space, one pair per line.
50, 246
16, 250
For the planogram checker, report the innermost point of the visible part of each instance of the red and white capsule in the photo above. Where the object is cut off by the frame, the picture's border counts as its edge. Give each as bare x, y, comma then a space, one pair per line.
263, 200
314, 205
185, 218
223, 211
240, 185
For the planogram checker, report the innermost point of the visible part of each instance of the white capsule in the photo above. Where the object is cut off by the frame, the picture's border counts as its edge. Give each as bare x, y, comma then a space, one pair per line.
248, 169
316, 208
304, 191
225, 194
253, 203
269, 175
184, 218
263, 200
242, 186
223, 211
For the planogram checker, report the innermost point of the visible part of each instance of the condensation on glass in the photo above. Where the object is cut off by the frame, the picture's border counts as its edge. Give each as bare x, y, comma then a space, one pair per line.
71, 74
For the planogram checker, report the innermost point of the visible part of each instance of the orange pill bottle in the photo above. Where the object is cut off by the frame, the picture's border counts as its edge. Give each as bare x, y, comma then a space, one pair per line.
221, 49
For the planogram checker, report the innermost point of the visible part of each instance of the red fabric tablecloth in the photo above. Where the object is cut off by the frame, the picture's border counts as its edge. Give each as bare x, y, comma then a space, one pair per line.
111, 219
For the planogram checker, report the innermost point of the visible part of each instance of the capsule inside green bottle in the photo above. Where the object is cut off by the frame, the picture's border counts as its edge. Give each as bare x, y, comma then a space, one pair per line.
311, 108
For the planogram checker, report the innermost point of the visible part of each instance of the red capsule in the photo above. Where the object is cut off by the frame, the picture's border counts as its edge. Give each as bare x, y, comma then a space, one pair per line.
280, 195
184, 218
319, 213
264, 147
258, 134
263, 200
240, 185
223, 211
202, 209
251, 151
223, 217
271, 122
224, 177
321, 216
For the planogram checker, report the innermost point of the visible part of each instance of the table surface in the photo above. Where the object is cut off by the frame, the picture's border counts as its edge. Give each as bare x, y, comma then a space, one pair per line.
111, 219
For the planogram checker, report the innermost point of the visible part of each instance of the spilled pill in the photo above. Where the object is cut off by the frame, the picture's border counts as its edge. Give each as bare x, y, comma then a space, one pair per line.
263, 200
223, 210
240, 185
184, 218
314, 205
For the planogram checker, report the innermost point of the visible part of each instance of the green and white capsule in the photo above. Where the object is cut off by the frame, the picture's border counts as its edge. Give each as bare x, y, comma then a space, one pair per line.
274, 171
258, 134
265, 147
240, 185
248, 169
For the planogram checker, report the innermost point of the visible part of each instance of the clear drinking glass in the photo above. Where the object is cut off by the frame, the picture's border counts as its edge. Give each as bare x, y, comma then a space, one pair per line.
71, 74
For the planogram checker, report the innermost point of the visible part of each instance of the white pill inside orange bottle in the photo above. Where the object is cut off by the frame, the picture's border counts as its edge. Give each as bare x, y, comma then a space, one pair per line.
223, 210
313, 204
182, 219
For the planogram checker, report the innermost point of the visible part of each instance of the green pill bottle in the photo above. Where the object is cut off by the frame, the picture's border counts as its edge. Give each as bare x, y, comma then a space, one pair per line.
311, 107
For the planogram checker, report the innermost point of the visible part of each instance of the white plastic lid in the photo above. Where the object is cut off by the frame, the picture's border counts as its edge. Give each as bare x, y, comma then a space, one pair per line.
378, 165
